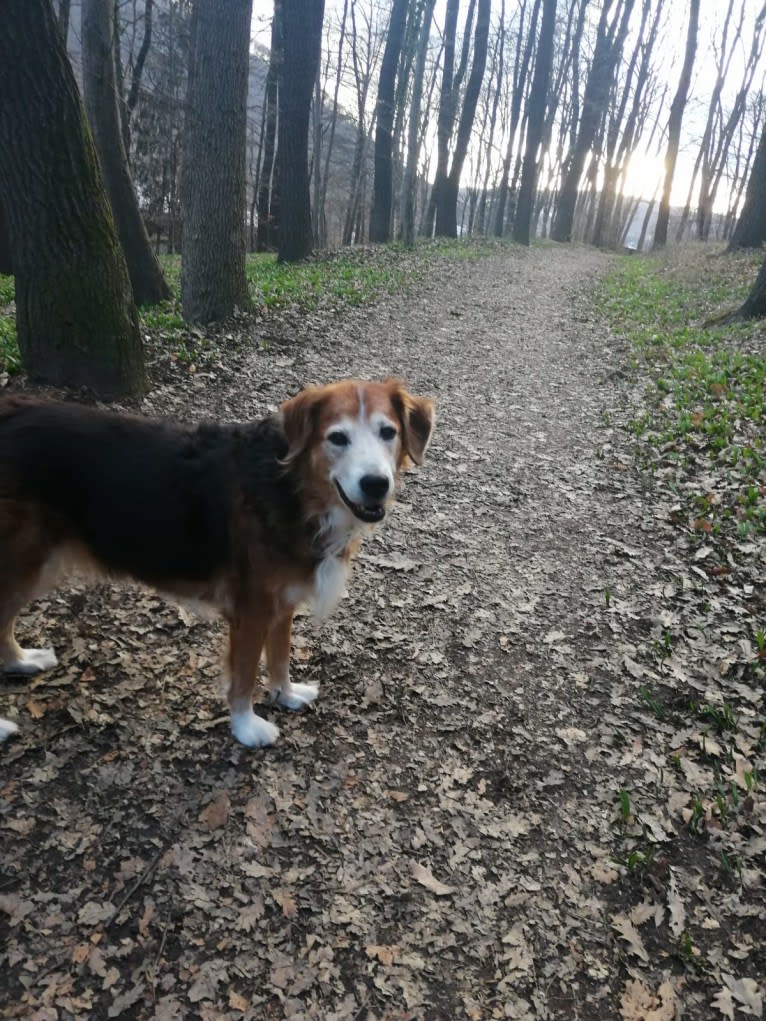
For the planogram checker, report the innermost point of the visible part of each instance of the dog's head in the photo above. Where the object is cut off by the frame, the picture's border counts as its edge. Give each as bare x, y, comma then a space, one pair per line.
349, 440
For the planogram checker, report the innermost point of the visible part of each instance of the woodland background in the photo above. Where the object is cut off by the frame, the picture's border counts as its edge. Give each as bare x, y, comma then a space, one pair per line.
217, 129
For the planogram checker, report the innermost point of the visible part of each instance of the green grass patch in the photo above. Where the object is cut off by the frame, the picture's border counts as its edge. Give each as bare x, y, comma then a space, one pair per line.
10, 360
338, 279
706, 405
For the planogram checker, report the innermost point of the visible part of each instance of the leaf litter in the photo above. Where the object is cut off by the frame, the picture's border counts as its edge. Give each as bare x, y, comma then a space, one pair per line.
502, 805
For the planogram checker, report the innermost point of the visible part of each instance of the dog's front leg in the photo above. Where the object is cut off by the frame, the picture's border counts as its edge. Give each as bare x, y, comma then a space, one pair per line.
247, 634
281, 689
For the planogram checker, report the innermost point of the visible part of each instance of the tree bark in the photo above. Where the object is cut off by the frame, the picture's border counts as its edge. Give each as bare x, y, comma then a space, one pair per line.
446, 207
446, 117
382, 186
538, 98
75, 316
413, 139
750, 231
675, 119
213, 176
138, 70
754, 306
101, 102
609, 43
302, 38
333, 120
267, 237
521, 69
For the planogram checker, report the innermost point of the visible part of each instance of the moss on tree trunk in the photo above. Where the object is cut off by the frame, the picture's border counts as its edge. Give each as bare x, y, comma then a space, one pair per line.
75, 316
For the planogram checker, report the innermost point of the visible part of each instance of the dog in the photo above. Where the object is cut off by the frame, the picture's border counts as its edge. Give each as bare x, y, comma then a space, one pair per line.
252, 520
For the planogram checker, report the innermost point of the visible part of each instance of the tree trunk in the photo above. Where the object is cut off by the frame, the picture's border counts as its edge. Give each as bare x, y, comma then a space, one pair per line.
677, 108
754, 306
382, 187
750, 231
75, 316
302, 38
333, 119
100, 94
413, 139
536, 104
267, 238
607, 52
138, 70
213, 176
521, 70
446, 116
499, 66
446, 207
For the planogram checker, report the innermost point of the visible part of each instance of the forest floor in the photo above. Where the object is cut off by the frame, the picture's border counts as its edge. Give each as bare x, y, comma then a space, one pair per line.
516, 796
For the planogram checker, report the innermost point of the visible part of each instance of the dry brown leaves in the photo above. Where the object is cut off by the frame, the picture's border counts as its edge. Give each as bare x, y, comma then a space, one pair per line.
485, 816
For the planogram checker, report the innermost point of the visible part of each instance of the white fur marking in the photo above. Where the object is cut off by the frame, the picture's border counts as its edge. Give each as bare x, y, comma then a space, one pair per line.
7, 727
294, 696
31, 661
330, 579
249, 729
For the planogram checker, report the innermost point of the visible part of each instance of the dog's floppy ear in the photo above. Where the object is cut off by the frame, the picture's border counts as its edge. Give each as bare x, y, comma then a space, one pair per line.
416, 416
300, 415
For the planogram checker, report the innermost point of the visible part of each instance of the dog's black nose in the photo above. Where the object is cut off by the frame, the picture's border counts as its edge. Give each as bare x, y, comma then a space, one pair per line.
374, 487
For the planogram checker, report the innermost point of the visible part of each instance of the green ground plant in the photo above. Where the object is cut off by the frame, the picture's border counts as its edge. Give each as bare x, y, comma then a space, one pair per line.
706, 404
339, 279
700, 448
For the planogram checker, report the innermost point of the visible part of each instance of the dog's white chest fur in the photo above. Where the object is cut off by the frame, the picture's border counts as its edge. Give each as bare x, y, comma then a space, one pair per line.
330, 579
329, 585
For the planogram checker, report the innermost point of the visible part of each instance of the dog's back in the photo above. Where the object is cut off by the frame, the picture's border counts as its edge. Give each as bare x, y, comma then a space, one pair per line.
146, 498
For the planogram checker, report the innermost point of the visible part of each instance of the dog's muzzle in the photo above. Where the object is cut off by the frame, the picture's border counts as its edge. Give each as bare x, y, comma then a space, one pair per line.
375, 488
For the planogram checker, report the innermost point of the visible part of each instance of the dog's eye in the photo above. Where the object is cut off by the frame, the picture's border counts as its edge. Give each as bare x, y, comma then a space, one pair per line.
338, 439
387, 433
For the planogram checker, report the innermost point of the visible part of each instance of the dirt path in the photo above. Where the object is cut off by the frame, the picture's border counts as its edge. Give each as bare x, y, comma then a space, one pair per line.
435, 840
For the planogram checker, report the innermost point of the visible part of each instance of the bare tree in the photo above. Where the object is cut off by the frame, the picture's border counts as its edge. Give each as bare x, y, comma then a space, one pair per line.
100, 94
626, 121
497, 75
538, 97
364, 53
267, 185
322, 213
525, 46
382, 188
753, 307
446, 204
213, 182
414, 127
750, 231
137, 71
450, 87
75, 316
677, 108
301, 42
610, 38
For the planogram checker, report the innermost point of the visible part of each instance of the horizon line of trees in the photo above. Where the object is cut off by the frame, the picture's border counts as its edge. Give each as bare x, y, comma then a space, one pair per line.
524, 115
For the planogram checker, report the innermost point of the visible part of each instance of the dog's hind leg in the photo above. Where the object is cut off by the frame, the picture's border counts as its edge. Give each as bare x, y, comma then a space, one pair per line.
281, 689
247, 634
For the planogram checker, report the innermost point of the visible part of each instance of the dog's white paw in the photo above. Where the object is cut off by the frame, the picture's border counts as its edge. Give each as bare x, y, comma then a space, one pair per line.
294, 696
7, 727
252, 730
31, 661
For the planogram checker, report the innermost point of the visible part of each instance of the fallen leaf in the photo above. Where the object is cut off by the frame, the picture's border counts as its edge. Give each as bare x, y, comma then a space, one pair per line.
385, 954
625, 928
216, 814
426, 878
